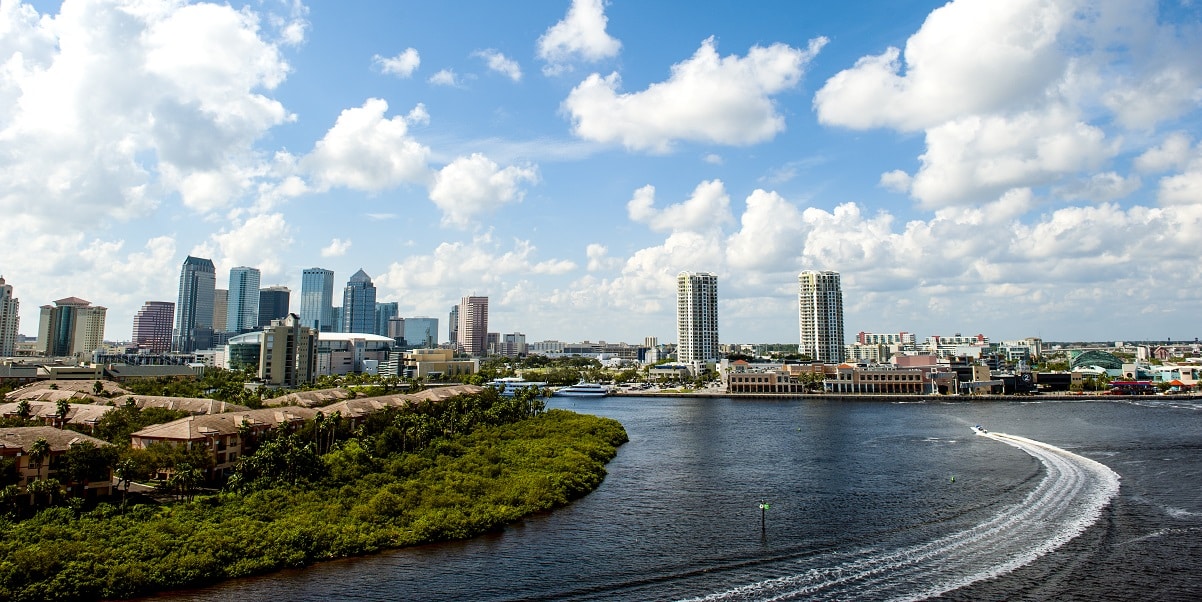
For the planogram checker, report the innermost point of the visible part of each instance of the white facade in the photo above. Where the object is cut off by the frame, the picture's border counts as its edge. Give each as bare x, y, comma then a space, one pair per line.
9, 319
697, 319
820, 317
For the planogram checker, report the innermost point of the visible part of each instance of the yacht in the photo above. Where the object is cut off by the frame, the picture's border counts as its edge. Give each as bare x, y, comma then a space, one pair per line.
583, 389
510, 385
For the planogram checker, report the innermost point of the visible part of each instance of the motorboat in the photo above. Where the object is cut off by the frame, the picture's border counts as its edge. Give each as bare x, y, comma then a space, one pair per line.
978, 429
583, 389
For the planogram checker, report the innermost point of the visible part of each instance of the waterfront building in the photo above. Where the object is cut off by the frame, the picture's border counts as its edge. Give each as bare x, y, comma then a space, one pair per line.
421, 332
221, 309
317, 299
453, 327
385, 312
956, 345
194, 308
288, 353
273, 304
244, 300
873, 338
71, 327
473, 325
820, 316
10, 319
359, 304
697, 319
152, 326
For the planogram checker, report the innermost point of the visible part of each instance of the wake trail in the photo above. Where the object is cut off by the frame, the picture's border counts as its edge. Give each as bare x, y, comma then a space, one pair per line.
1071, 496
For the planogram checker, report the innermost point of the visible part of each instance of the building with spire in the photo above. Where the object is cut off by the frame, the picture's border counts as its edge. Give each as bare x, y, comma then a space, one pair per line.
152, 326
194, 308
317, 299
820, 306
10, 319
359, 304
473, 325
697, 319
70, 327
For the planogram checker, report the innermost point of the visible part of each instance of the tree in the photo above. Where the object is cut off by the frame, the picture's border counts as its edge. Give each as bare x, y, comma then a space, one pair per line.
38, 452
47, 487
62, 408
126, 470
97, 388
85, 462
24, 411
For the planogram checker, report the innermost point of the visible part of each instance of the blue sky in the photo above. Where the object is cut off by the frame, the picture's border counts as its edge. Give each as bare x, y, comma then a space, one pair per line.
1026, 168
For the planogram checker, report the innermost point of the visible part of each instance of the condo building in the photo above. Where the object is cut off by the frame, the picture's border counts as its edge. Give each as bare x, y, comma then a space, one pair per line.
697, 319
10, 319
820, 301
194, 308
70, 327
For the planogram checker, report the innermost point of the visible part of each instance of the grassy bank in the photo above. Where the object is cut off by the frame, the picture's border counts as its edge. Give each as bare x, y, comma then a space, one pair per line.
455, 488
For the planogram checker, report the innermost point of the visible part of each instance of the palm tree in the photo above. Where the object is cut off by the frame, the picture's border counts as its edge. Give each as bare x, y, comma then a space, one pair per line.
39, 451
60, 413
24, 411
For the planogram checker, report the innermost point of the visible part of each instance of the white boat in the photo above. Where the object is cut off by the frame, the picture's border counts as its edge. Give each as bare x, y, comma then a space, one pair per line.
583, 389
980, 430
510, 385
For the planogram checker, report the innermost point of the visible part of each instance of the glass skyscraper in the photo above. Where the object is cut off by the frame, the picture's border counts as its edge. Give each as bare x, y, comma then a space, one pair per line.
273, 304
317, 299
194, 309
359, 304
421, 332
385, 312
243, 310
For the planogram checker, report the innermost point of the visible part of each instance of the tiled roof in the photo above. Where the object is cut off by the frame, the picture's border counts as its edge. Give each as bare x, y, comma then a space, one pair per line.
201, 427
60, 440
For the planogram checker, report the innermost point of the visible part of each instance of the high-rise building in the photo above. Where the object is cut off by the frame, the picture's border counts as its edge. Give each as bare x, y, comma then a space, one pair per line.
152, 326
244, 300
359, 304
453, 327
396, 330
221, 308
10, 319
288, 353
421, 332
697, 319
820, 301
273, 304
194, 309
385, 312
317, 299
70, 327
473, 325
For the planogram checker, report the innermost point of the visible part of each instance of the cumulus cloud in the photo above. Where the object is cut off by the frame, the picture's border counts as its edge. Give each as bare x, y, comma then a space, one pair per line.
501, 64
366, 151
336, 248
706, 210
472, 185
896, 180
401, 65
709, 99
446, 77
580, 35
260, 241
599, 259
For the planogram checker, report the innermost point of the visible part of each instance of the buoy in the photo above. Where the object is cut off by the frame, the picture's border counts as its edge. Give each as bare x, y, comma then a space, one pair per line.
953, 478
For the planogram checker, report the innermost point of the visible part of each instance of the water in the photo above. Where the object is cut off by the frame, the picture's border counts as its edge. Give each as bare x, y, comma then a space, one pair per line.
868, 501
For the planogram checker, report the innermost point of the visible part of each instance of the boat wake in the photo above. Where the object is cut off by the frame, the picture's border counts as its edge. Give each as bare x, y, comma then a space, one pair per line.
1070, 497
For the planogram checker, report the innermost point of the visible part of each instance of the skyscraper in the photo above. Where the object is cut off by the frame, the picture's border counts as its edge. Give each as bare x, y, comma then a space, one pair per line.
473, 325
221, 308
10, 320
697, 319
273, 304
70, 327
453, 327
317, 299
152, 326
359, 304
421, 332
244, 300
194, 309
385, 312
820, 300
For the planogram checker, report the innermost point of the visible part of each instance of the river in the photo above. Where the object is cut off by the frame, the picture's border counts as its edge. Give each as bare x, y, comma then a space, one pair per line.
865, 501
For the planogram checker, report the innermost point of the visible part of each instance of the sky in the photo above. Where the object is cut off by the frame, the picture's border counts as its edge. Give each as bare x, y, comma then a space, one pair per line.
1019, 168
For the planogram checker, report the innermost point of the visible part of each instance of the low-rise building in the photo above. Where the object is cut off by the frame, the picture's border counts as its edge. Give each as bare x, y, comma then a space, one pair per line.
18, 444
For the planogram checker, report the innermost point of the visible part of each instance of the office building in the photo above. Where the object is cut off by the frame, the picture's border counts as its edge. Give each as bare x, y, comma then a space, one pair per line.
152, 326
244, 300
384, 313
273, 304
10, 319
421, 333
317, 299
473, 325
820, 300
453, 327
697, 319
194, 308
359, 304
221, 309
288, 353
396, 330
71, 327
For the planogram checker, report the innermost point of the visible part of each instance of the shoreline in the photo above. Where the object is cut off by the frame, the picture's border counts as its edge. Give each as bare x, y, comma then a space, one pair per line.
852, 397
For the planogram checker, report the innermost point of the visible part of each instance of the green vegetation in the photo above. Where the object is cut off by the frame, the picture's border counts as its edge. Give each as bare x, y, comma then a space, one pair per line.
401, 479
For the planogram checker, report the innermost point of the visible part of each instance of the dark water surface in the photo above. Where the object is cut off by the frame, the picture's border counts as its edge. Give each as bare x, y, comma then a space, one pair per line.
868, 501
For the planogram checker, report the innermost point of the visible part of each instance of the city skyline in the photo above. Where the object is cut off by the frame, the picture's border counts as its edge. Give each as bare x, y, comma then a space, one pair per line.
1027, 168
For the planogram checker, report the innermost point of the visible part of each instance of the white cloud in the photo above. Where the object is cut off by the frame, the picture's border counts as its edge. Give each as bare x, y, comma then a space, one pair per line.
1098, 188
336, 248
1173, 153
707, 99
708, 209
401, 65
580, 35
472, 185
896, 180
260, 241
599, 259
446, 77
365, 151
712, 159
501, 64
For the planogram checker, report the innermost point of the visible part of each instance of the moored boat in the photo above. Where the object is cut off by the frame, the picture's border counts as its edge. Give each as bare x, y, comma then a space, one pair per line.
583, 389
